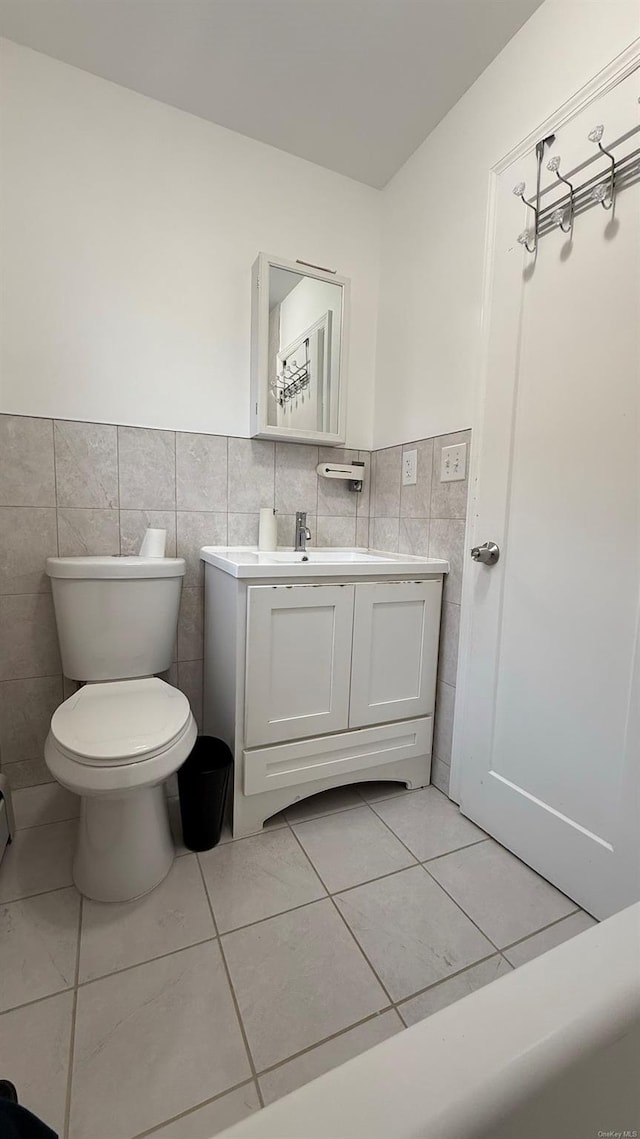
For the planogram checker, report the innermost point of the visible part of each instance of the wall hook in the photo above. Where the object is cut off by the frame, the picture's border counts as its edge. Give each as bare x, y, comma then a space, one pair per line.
553, 165
527, 235
599, 193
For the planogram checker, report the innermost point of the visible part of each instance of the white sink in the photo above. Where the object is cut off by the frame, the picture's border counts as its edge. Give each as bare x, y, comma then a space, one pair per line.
329, 557
248, 561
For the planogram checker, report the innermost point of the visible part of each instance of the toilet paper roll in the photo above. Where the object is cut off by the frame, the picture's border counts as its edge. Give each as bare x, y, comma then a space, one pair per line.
267, 533
153, 544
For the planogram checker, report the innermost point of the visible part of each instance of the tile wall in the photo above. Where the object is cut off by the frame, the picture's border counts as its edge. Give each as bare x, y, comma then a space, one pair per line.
428, 518
88, 488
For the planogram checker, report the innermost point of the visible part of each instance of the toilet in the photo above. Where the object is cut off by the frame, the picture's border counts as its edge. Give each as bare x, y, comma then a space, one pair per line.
124, 732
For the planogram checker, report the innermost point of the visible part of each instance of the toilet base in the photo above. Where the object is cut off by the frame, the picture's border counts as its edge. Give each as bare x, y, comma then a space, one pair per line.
124, 847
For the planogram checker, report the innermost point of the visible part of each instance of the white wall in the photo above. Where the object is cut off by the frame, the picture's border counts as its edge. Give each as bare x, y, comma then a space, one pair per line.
129, 231
435, 208
130, 228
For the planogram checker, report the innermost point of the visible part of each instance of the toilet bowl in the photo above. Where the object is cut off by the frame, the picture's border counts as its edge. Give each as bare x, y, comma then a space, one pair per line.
114, 744
124, 732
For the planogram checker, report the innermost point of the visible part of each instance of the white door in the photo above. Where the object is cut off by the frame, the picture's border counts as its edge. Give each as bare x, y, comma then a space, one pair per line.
298, 661
395, 650
549, 756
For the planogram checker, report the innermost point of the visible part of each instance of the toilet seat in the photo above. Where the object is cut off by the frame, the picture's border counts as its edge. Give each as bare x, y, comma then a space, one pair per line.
115, 779
120, 722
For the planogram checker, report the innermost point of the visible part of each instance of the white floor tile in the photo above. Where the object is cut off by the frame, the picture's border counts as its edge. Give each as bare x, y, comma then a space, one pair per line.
34, 1055
549, 938
387, 789
257, 878
351, 847
336, 799
331, 1054
39, 939
502, 895
152, 1042
299, 978
447, 992
213, 1117
47, 803
428, 823
174, 915
38, 859
411, 932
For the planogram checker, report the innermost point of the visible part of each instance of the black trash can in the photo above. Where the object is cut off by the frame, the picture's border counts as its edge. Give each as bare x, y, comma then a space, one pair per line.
203, 782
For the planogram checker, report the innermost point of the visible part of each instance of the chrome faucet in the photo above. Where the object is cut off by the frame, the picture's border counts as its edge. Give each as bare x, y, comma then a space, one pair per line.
303, 533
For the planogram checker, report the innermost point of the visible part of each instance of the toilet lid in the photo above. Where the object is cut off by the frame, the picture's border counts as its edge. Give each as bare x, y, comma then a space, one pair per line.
120, 720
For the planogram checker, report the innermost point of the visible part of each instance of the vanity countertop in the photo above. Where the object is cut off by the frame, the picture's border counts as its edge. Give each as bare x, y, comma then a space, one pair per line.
249, 562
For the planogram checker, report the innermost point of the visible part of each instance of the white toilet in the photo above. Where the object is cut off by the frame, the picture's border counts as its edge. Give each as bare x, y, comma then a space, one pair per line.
120, 736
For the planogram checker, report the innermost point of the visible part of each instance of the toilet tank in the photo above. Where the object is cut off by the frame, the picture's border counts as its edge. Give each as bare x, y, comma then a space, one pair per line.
117, 618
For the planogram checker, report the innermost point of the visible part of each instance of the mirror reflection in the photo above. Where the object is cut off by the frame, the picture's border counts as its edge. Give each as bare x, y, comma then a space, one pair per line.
305, 319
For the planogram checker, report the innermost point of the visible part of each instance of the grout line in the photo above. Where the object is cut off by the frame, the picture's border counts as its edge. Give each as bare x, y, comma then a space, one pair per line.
175, 471
450, 977
37, 1000
226, 482
55, 487
407, 848
113, 973
147, 961
456, 850
542, 929
461, 908
72, 1035
278, 914
189, 1111
327, 1040
348, 927
234, 998
424, 866
118, 479
49, 823
39, 894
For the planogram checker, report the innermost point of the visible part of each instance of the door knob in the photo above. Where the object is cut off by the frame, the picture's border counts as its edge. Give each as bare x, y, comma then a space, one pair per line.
488, 553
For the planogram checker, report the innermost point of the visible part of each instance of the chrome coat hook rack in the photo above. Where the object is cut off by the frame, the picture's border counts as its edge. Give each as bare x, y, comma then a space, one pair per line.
562, 211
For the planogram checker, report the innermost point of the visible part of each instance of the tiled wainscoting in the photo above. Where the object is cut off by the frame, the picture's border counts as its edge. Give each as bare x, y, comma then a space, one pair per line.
428, 518
89, 488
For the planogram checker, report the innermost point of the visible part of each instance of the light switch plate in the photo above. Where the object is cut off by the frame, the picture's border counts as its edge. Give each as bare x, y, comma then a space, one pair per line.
453, 463
409, 467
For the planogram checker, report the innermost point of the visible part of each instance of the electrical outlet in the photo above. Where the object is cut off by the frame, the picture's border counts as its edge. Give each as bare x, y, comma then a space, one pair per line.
453, 463
409, 468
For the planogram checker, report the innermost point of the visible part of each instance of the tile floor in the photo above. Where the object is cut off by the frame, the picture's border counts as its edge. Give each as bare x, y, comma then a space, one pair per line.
254, 967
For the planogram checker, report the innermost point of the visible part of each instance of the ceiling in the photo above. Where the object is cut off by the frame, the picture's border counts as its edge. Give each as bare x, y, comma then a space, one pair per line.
354, 85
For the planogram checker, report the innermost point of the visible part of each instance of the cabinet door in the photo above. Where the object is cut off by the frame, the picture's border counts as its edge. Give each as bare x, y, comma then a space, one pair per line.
298, 661
395, 651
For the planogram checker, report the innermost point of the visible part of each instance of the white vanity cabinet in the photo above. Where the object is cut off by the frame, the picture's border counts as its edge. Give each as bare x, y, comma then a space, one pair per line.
316, 683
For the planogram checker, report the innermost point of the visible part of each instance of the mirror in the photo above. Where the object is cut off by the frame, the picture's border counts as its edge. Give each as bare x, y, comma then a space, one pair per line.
297, 358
